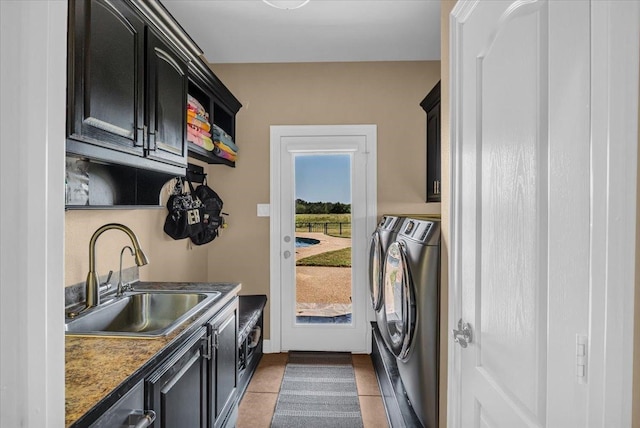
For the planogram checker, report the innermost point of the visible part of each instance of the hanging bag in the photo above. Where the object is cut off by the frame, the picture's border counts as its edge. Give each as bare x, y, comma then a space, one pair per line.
212, 215
184, 217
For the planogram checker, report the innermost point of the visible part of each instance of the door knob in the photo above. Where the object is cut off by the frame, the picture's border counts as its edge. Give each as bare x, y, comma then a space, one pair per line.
287, 254
462, 334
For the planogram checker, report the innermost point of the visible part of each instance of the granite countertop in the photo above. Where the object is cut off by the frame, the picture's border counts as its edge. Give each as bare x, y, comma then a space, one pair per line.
99, 370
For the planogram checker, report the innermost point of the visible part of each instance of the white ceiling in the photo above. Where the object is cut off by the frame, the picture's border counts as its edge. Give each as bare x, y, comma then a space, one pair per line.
250, 31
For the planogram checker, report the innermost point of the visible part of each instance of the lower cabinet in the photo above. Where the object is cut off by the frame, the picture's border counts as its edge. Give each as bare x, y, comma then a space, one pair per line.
177, 391
197, 385
224, 367
127, 412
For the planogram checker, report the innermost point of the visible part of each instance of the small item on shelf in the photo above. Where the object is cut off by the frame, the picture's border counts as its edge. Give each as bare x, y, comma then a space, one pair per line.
222, 137
198, 125
224, 146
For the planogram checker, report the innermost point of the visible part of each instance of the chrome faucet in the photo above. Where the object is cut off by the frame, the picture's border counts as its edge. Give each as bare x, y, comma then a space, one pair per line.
91, 285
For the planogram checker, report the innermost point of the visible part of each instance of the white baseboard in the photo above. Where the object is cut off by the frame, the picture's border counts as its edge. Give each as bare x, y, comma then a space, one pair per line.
266, 347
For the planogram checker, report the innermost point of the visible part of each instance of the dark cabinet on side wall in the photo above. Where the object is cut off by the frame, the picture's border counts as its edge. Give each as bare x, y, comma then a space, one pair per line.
431, 105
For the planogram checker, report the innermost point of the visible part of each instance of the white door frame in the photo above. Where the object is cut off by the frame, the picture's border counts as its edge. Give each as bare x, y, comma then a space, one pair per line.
33, 35
614, 115
278, 133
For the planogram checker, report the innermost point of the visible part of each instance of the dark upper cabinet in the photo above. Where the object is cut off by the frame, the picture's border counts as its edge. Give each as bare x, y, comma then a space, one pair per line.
126, 89
130, 68
106, 69
431, 105
167, 102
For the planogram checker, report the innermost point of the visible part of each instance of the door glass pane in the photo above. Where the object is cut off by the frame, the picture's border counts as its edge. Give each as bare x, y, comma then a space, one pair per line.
323, 238
394, 293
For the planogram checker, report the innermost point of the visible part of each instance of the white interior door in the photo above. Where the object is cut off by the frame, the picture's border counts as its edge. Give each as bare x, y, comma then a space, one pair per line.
522, 210
289, 142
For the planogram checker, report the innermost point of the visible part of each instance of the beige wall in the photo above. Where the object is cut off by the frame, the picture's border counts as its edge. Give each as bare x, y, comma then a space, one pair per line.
386, 94
169, 260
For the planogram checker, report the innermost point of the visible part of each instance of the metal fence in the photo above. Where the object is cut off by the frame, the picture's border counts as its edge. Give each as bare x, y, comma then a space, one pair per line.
339, 229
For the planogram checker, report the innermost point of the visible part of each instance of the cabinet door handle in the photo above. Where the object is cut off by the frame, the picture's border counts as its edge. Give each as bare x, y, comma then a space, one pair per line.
146, 419
140, 137
215, 339
151, 145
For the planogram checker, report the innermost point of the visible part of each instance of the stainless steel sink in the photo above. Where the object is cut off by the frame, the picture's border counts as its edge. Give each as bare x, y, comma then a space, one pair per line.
140, 314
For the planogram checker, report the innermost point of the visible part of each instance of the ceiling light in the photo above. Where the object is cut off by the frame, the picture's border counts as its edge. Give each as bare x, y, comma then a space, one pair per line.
286, 4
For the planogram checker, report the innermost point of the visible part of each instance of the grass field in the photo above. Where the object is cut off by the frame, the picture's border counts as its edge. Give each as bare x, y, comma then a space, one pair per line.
331, 224
338, 258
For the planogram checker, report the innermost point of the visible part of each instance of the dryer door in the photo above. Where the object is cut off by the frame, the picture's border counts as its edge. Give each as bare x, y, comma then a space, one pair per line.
375, 271
399, 301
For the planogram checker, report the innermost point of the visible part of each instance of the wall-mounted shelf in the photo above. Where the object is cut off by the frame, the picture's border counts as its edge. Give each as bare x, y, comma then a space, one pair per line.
93, 185
219, 102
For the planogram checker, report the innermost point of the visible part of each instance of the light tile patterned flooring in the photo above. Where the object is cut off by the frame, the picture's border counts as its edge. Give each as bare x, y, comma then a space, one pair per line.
259, 402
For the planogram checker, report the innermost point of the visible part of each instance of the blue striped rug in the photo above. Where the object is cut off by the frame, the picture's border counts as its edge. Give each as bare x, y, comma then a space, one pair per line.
318, 390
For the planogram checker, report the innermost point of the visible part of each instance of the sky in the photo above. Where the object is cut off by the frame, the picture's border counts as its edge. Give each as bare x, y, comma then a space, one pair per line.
323, 178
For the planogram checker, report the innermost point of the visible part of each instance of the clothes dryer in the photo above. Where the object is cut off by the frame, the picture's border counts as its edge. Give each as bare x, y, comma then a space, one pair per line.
411, 312
381, 238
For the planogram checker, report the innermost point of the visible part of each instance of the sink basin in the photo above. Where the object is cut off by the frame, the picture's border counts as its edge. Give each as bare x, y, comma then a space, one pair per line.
140, 314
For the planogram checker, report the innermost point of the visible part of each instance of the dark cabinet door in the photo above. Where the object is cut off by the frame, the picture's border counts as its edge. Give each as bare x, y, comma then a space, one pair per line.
177, 391
431, 105
433, 154
166, 102
106, 68
224, 379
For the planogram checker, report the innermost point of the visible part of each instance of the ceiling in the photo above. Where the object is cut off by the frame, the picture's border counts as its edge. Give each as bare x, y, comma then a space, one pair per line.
250, 31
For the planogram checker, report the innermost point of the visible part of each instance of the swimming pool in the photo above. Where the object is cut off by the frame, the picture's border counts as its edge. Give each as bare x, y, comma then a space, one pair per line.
306, 242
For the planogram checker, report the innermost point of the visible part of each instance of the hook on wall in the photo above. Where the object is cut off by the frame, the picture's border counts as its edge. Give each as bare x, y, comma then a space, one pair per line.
196, 174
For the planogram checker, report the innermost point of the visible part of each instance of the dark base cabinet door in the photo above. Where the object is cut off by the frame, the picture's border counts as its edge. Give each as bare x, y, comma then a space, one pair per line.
177, 391
224, 374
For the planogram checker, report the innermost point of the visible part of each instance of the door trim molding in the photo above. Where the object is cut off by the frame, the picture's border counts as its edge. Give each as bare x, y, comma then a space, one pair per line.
615, 40
277, 134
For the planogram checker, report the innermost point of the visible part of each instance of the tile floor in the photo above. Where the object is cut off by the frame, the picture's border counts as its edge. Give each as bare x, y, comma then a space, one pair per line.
259, 402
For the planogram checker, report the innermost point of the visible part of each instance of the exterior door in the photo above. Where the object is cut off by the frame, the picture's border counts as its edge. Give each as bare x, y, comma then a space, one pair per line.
524, 192
356, 142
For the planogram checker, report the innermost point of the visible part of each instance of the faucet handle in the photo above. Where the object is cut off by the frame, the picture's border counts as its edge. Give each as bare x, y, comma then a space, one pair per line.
106, 285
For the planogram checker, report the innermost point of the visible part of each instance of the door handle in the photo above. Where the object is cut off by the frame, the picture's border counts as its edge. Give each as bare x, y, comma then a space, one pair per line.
462, 334
287, 254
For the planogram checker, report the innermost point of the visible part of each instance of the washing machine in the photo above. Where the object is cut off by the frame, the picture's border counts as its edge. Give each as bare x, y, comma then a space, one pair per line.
411, 277
382, 237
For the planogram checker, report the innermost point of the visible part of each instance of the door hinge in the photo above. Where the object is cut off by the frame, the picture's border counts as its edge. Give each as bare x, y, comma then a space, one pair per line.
581, 358
207, 347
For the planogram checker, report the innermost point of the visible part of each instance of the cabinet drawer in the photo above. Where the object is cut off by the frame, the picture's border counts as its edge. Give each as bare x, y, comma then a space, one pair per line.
127, 411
